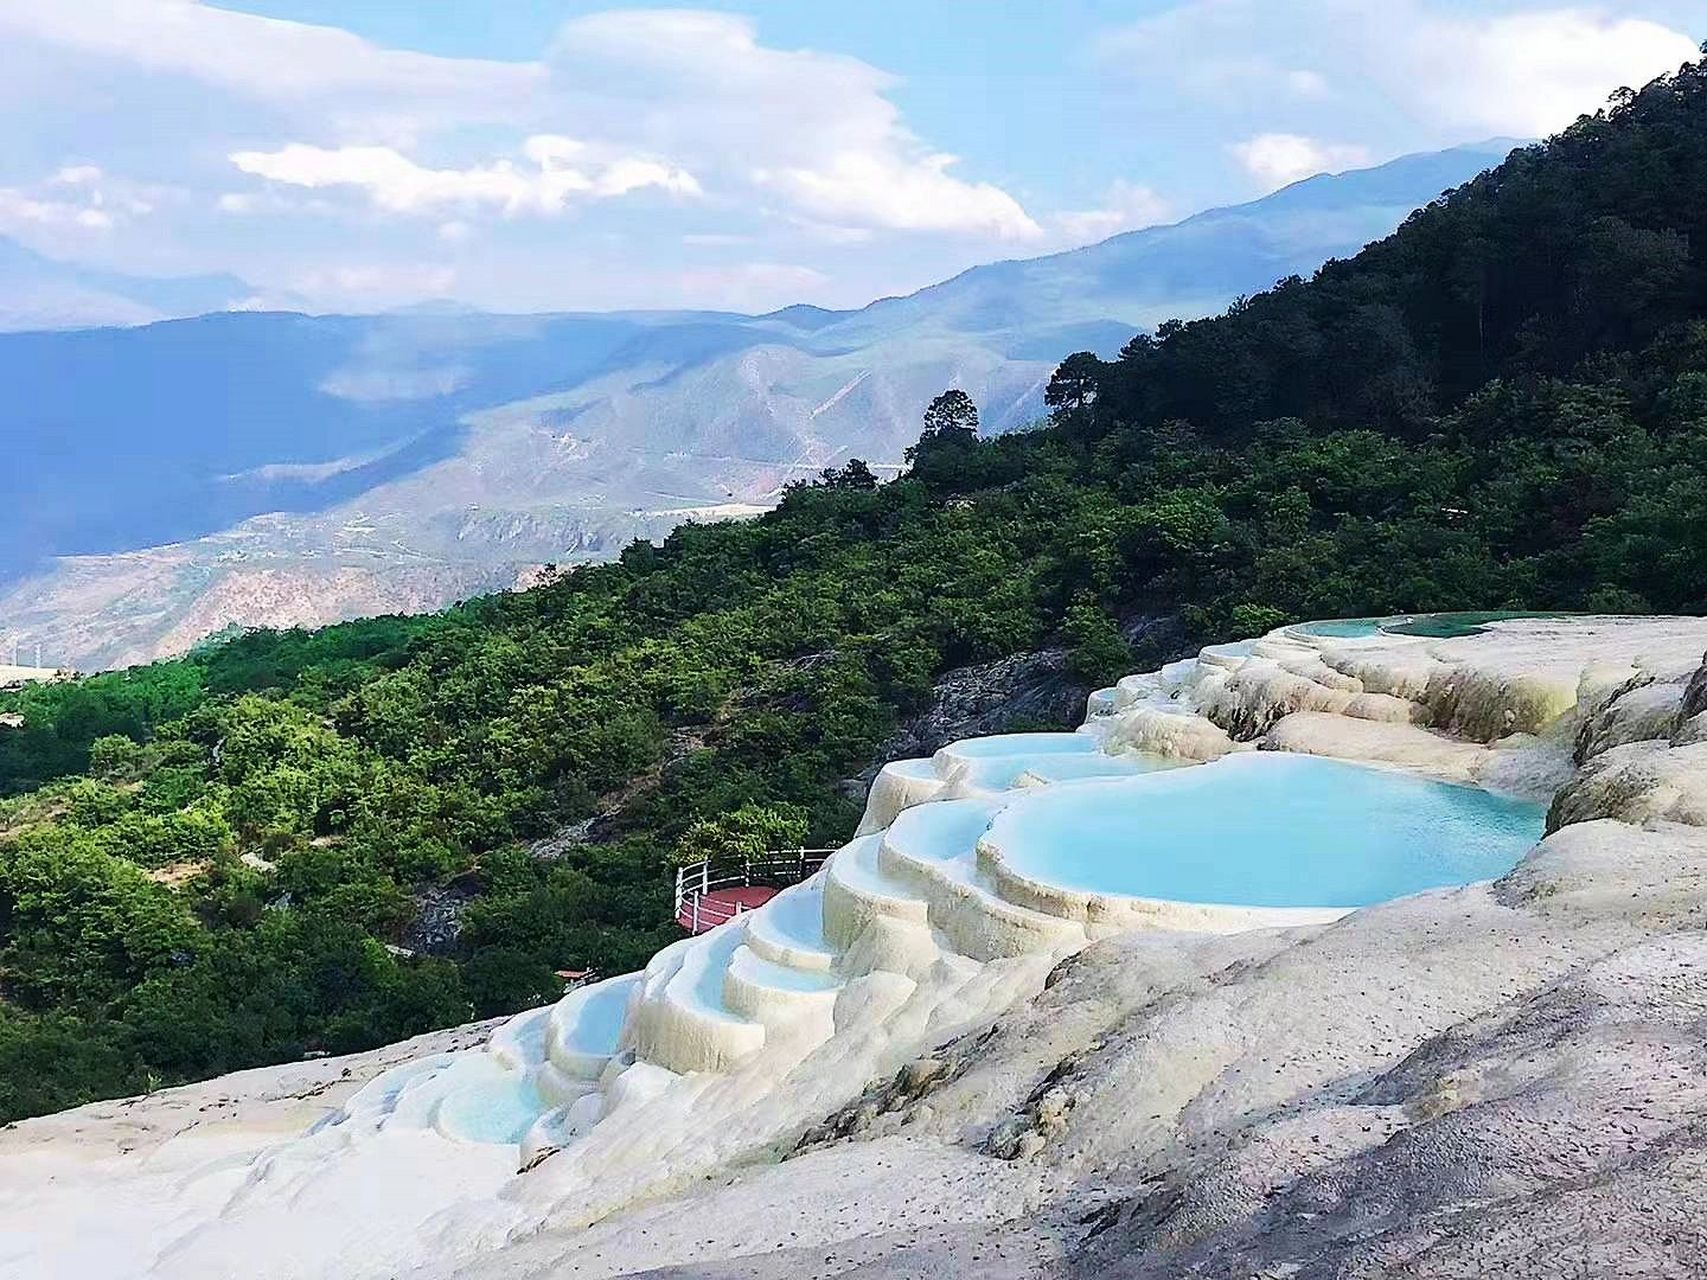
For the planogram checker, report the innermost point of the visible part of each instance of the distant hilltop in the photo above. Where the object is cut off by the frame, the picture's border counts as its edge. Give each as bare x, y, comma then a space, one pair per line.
11, 674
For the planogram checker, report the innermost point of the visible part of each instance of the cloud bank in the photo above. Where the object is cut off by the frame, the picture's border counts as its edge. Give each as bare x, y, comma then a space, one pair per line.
652, 157
1342, 83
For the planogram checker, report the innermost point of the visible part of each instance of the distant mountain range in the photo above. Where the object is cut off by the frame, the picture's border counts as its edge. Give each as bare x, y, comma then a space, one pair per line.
38, 292
170, 481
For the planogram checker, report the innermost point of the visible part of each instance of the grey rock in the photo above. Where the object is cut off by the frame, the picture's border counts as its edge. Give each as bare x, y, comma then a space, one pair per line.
1036, 690
559, 842
1027, 690
1695, 695
436, 929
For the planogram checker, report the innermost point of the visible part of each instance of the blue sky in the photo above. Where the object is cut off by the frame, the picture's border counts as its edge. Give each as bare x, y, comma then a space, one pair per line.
558, 154
957, 63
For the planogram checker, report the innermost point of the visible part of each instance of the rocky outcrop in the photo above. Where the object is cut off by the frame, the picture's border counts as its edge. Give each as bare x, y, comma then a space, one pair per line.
1035, 690
1025, 691
436, 928
1695, 694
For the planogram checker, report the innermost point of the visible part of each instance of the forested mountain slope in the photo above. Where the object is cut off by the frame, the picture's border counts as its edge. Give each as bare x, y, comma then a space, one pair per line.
1502, 405
287, 469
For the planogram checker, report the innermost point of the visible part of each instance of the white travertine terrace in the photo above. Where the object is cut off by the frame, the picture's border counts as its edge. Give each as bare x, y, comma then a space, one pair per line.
728, 1045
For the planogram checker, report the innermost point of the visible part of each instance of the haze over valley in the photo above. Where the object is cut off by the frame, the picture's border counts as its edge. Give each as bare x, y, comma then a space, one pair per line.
249, 469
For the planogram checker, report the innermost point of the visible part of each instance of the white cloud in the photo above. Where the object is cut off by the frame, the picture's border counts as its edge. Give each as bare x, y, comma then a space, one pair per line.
633, 174
739, 142
767, 274
1523, 69
1279, 159
665, 99
1531, 73
1127, 207
1309, 84
323, 72
832, 233
814, 129
78, 175
20, 210
752, 286
75, 199
875, 188
396, 183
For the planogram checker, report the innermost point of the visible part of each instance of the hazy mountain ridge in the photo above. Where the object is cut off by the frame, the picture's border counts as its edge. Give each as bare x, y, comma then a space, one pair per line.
39, 292
435, 455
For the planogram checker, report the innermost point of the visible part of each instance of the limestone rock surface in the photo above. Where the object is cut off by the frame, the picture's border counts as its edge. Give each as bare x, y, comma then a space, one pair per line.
1504, 1078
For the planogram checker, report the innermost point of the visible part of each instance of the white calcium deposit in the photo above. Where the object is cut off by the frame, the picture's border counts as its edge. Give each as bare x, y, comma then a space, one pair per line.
924, 1062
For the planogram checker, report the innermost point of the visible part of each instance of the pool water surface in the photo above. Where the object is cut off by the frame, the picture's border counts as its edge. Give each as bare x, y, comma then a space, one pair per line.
1265, 829
1431, 626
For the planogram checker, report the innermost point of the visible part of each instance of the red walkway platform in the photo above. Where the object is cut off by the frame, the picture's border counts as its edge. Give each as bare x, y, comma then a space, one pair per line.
706, 911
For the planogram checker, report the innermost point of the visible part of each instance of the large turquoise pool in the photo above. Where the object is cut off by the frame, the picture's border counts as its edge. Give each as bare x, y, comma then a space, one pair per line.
1266, 829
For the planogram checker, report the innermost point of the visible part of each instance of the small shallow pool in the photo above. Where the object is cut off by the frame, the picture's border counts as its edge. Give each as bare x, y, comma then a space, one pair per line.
997, 773
1065, 768
996, 762
1344, 628
1018, 744
602, 1011
488, 1104
1265, 830
941, 830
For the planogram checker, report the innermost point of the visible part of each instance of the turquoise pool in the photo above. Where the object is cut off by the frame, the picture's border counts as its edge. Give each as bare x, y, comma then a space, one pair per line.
996, 761
1432, 626
599, 1025
998, 772
1344, 628
1266, 829
1020, 744
1065, 768
482, 1110
941, 830
1446, 626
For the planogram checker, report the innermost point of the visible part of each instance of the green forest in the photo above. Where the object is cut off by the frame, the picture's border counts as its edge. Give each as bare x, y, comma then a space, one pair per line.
213, 863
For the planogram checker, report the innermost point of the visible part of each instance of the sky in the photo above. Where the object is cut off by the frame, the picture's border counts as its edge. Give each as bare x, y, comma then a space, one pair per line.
522, 155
